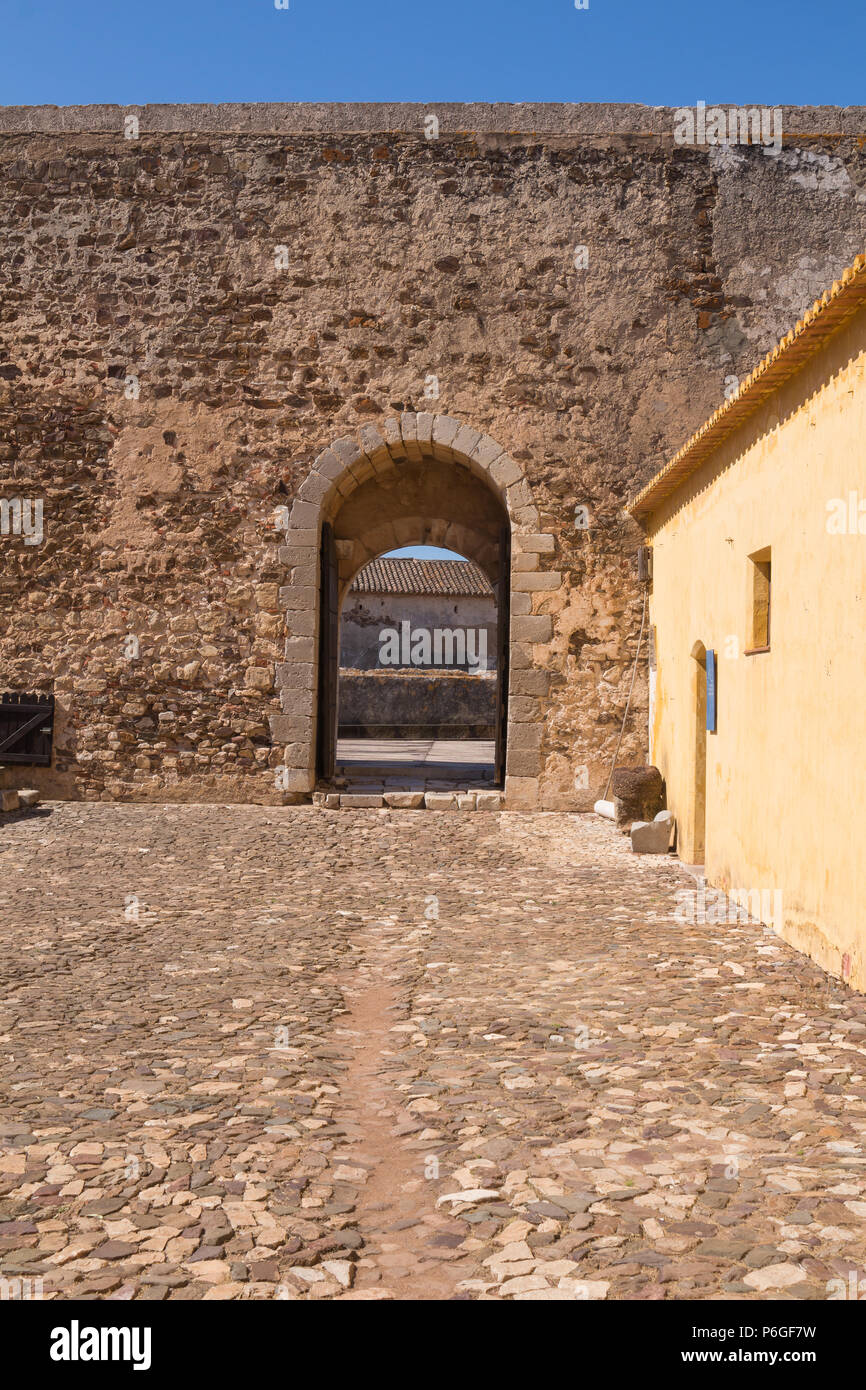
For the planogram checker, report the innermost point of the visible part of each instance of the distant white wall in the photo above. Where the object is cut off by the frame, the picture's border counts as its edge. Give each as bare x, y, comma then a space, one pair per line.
365, 616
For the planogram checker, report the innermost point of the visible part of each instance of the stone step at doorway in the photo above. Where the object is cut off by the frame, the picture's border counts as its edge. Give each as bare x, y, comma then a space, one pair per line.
455, 799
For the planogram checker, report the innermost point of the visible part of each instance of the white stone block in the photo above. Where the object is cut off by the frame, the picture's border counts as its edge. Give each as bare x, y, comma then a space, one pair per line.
404, 801
650, 837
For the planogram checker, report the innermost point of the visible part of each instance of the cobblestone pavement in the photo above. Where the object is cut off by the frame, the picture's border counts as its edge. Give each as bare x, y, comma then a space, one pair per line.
256, 1053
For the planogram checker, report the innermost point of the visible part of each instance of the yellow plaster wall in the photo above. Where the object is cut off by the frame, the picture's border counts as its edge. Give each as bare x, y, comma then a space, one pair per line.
786, 769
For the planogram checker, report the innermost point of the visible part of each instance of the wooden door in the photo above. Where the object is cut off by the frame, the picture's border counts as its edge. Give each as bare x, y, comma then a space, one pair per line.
26, 728
503, 607
329, 655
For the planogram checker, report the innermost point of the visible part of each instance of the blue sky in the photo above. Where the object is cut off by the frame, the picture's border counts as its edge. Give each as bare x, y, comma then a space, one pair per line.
427, 552
665, 53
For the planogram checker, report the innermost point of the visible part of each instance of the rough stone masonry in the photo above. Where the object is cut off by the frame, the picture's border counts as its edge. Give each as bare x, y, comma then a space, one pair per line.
213, 317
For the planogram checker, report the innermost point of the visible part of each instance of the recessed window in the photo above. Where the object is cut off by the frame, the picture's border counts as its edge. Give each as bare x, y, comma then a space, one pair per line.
761, 578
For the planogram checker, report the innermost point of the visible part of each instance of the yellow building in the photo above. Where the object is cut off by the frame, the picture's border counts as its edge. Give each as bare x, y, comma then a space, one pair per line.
757, 529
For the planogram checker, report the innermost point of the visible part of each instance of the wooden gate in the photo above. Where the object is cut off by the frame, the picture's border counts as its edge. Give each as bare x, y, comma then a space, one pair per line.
329, 629
503, 632
26, 729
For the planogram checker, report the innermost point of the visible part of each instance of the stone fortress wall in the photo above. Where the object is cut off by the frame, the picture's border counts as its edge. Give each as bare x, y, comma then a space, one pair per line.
193, 311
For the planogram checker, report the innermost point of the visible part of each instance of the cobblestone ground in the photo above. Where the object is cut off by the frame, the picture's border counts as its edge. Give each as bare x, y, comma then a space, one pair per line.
256, 1053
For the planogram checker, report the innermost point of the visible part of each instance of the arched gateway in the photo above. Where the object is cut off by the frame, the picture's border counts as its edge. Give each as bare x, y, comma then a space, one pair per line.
422, 478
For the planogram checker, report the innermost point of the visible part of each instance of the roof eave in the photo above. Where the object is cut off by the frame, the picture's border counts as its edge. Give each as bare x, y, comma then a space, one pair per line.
827, 315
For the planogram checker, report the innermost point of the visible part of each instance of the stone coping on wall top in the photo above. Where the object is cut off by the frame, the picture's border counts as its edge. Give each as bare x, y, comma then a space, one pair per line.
333, 118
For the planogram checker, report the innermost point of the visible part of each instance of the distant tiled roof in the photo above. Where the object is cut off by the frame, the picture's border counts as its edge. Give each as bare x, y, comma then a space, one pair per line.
828, 313
457, 577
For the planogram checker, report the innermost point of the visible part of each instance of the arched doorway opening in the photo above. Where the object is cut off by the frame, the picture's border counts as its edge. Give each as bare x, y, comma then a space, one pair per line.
421, 669
697, 854
324, 551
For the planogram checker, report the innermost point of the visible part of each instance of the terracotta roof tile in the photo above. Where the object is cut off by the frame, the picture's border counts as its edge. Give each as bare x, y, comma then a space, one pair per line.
828, 313
406, 576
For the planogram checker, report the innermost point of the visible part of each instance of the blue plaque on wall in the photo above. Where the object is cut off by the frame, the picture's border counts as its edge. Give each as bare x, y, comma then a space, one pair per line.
711, 692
